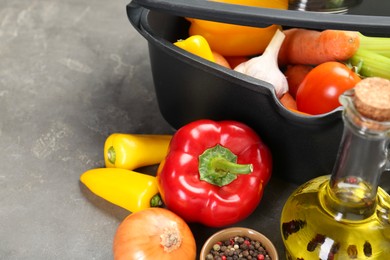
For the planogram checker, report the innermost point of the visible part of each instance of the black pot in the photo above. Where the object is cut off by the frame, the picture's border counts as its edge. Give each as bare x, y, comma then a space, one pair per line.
190, 88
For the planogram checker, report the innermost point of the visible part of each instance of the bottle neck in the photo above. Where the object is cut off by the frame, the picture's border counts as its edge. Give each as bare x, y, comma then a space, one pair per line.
363, 156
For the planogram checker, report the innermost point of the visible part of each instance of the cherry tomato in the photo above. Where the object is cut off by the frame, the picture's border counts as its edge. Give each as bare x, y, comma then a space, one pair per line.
320, 90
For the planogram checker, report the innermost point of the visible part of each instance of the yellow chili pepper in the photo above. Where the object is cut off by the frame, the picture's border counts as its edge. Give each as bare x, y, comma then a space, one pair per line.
131, 151
237, 40
131, 190
197, 45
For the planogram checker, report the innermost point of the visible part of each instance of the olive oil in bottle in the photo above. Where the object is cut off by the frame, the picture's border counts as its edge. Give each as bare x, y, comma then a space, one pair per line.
346, 215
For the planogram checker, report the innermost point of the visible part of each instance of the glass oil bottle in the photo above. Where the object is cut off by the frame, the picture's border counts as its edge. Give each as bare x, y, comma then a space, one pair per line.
345, 215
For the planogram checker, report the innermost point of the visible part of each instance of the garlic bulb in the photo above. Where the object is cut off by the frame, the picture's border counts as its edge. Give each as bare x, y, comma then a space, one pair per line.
265, 67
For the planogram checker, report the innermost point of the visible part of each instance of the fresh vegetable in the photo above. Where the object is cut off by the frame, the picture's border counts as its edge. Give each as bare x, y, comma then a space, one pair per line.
221, 60
154, 233
379, 45
237, 40
288, 101
371, 64
311, 47
295, 75
198, 45
215, 172
373, 57
298, 112
320, 90
131, 151
128, 189
265, 67
234, 61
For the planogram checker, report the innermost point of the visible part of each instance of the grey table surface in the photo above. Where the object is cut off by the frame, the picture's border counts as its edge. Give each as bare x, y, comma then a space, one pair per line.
71, 73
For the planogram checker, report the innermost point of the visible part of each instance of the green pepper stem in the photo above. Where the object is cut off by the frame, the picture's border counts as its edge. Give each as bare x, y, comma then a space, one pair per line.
111, 155
218, 166
223, 166
156, 201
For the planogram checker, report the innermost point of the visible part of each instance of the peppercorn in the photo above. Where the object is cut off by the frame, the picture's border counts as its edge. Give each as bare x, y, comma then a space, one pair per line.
216, 247
244, 246
238, 248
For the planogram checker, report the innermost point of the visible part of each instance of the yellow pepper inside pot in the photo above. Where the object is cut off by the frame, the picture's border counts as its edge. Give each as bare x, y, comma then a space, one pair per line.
197, 45
237, 40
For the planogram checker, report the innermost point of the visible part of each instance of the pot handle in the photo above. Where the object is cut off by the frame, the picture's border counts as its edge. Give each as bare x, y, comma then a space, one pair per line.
262, 17
134, 13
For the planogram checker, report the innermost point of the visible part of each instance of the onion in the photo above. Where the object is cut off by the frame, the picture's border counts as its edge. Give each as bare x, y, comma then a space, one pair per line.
154, 233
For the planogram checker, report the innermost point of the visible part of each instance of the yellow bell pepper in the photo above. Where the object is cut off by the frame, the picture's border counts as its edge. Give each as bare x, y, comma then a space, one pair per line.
237, 40
197, 45
131, 151
130, 190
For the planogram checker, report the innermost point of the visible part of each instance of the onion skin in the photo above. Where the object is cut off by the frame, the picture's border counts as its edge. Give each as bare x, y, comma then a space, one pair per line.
140, 234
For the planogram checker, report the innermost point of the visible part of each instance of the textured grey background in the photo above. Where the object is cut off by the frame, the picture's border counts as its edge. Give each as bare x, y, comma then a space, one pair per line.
71, 73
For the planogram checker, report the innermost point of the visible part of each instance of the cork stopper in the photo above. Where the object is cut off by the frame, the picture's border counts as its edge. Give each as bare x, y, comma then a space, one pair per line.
372, 98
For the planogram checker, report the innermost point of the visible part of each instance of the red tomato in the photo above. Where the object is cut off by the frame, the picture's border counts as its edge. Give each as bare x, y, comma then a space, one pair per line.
320, 90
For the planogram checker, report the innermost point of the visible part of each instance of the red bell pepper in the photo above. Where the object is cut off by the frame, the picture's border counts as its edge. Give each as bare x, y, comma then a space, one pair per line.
214, 172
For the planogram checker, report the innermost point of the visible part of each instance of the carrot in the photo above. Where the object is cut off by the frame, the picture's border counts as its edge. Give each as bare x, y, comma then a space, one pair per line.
295, 75
305, 46
288, 101
219, 59
299, 112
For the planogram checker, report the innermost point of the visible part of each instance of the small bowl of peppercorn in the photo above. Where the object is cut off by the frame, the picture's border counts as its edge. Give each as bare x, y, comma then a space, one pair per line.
238, 243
